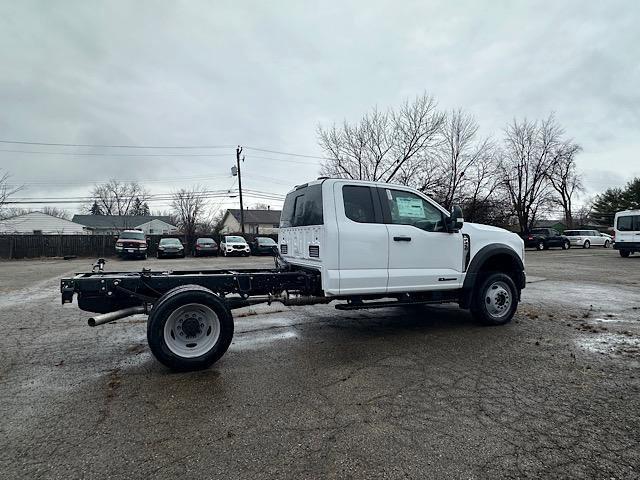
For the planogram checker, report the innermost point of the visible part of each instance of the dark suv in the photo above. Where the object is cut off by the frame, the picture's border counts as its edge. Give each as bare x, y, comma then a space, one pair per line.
544, 238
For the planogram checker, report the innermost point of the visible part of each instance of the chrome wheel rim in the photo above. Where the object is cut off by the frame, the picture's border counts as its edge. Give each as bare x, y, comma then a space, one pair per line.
498, 299
191, 330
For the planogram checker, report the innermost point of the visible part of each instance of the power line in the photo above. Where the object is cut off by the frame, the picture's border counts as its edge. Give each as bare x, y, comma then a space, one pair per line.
158, 147
287, 153
94, 145
95, 154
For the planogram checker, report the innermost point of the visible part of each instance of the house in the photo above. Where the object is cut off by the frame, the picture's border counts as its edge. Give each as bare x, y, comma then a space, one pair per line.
38, 223
255, 221
113, 224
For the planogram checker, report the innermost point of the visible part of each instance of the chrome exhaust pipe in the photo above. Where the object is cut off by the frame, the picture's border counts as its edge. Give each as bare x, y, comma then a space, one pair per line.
117, 315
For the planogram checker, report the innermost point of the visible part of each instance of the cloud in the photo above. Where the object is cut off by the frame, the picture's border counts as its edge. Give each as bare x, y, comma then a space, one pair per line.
266, 74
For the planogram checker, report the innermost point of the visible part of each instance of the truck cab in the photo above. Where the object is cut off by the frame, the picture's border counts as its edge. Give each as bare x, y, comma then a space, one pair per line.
377, 239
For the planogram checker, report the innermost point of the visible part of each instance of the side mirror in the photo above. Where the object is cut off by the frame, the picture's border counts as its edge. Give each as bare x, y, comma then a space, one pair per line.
455, 219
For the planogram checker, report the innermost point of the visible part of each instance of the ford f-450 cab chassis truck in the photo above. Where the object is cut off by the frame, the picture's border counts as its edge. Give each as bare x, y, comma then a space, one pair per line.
361, 244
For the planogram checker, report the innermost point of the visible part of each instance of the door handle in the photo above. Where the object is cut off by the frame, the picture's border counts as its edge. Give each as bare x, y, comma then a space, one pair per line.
401, 239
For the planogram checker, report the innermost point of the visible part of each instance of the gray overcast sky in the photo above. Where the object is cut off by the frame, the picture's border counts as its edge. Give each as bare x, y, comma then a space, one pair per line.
266, 74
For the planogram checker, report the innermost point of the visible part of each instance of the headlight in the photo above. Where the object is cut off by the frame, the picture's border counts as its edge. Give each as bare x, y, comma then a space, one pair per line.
160, 248
180, 248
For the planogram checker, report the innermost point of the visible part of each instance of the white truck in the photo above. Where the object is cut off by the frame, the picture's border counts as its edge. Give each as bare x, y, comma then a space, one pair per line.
361, 244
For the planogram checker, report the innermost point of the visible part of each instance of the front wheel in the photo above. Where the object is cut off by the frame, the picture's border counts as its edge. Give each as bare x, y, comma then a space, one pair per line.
540, 246
189, 328
625, 253
496, 301
607, 243
566, 245
586, 244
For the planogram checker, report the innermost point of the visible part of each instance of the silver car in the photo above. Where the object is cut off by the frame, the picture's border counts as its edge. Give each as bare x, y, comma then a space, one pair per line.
588, 238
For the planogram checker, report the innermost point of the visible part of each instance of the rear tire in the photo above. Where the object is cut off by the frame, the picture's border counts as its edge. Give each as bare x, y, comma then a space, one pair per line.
189, 328
496, 301
625, 253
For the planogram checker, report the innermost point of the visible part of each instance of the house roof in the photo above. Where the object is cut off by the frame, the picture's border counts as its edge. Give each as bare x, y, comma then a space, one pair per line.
118, 221
31, 221
257, 216
548, 223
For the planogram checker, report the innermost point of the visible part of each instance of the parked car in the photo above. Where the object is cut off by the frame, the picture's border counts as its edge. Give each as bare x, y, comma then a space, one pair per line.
587, 238
132, 243
205, 246
263, 246
544, 238
234, 245
627, 232
170, 247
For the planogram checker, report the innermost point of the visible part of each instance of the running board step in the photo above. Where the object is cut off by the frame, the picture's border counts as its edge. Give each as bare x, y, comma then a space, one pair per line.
395, 303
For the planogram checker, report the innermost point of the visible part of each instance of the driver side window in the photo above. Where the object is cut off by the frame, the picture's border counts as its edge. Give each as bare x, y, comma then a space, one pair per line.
409, 209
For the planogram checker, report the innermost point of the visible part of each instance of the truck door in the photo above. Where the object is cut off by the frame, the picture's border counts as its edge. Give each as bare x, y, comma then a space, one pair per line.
422, 253
363, 239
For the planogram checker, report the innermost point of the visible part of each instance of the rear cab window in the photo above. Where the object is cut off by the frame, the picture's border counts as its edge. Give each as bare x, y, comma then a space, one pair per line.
359, 204
303, 207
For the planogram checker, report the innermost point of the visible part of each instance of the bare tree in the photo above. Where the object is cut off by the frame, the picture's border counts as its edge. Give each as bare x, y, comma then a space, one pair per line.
6, 190
189, 209
56, 212
460, 158
531, 151
565, 179
383, 146
117, 198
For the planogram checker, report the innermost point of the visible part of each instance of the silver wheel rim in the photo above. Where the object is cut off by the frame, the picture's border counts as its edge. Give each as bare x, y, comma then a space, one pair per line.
191, 330
498, 299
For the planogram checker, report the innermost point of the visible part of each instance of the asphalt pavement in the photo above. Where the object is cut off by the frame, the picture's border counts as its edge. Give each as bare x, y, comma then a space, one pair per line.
313, 392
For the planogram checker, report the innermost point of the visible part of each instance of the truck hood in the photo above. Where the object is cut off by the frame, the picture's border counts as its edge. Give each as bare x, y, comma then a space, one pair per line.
482, 235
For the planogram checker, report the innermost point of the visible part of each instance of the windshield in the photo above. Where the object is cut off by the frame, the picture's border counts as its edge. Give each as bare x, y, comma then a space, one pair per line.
234, 240
266, 241
170, 241
132, 236
572, 233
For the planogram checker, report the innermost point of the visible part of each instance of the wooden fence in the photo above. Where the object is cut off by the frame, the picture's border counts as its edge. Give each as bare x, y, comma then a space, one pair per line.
34, 246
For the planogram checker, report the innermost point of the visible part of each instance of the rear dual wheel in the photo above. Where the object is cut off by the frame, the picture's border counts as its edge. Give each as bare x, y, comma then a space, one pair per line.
189, 328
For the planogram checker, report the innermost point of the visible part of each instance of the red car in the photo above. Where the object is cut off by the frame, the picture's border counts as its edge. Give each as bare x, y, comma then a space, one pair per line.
132, 243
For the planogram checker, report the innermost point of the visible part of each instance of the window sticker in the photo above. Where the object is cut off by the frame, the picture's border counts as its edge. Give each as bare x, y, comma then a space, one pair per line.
410, 207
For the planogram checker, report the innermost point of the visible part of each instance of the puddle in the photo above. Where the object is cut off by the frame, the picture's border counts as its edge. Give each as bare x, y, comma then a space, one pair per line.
611, 343
256, 340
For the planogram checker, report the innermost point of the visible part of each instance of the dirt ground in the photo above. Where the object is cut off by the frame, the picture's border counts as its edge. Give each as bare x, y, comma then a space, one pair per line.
314, 392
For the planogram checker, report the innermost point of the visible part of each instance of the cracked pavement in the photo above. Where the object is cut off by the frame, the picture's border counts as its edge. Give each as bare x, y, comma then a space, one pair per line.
313, 392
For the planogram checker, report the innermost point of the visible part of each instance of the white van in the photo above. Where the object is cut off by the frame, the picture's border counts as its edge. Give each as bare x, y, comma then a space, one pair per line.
627, 232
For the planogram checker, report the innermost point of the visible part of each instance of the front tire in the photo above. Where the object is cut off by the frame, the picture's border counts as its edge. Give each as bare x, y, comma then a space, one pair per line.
189, 328
607, 243
566, 245
625, 253
540, 246
586, 244
496, 301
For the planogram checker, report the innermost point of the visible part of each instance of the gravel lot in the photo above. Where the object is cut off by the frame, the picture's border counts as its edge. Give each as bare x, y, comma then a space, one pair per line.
314, 392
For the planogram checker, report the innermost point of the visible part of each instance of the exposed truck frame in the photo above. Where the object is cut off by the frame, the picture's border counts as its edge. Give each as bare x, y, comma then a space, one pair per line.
160, 294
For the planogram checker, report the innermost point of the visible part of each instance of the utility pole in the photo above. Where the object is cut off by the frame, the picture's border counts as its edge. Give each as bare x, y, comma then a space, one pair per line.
238, 152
